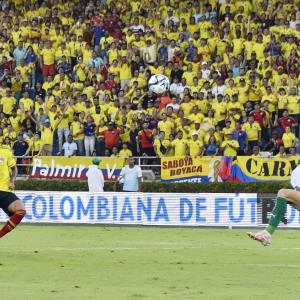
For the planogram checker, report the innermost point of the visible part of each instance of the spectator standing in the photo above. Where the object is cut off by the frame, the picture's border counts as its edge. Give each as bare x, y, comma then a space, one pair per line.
95, 177
19, 53
253, 131
289, 139
286, 121
241, 136
76, 130
111, 136
195, 145
230, 146
212, 147
47, 61
89, 136
180, 145
131, 177
21, 149
63, 129
31, 59
146, 140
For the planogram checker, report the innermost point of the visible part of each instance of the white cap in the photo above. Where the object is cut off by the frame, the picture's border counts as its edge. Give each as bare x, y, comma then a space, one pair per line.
195, 133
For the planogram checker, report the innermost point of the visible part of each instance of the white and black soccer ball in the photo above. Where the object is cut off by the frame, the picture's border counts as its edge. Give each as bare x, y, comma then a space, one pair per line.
158, 84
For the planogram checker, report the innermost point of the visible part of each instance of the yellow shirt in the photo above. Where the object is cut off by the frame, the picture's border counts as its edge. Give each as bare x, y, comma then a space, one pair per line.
196, 118
189, 76
157, 145
15, 123
125, 72
187, 107
8, 104
166, 127
220, 109
6, 162
180, 147
47, 135
59, 53
230, 147
252, 130
293, 103
195, 147
125, 153
48, 56
27, 103
227, 130
64, 123
272, 101
77, 130
282, 101
288, 139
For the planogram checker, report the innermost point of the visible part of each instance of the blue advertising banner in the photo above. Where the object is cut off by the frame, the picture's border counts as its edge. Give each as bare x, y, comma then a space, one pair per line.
140, 208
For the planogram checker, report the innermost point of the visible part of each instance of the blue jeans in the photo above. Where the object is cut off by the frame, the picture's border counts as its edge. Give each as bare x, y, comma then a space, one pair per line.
80, 147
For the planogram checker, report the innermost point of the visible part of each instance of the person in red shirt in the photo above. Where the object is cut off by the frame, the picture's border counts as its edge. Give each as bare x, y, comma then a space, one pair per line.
110, 83
258, 115
146, 137
111, 136
286, 121
164, 101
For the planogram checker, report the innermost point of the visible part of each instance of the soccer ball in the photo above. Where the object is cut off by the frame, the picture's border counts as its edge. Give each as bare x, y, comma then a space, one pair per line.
158, 84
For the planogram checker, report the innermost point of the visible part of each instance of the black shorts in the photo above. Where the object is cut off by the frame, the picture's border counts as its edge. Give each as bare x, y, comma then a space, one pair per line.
6, 199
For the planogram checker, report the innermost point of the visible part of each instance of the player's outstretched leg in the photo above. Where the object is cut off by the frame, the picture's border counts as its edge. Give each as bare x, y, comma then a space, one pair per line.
284, 197
16, 211
277, 215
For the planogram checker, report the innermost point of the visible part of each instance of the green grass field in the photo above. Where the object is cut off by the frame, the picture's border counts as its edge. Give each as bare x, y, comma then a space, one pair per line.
92, 262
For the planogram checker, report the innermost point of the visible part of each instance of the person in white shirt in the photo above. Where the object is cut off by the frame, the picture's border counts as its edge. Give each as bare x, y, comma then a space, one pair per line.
172, 49
219, 88
171, 17
69, 147
284, 197
131, 177
150, 52
205, 71
136, 27
176, 87
95, 177
174, 104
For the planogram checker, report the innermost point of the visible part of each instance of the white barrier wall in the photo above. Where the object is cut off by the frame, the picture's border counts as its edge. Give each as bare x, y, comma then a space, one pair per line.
140, 208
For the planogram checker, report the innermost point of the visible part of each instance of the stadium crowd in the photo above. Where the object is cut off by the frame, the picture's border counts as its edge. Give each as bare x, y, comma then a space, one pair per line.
73, 77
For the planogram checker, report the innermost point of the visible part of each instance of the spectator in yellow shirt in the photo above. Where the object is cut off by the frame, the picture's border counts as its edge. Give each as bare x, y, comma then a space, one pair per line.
125, 152
48, 60
180, 145
230, 146
161, 145
289, 138
195, 145
253, 131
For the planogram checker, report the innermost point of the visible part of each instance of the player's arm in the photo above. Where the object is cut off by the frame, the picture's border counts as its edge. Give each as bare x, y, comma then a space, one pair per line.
13, 176
34, 120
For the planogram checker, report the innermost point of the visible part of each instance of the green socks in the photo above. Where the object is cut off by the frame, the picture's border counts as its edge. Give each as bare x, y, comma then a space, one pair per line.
277, 214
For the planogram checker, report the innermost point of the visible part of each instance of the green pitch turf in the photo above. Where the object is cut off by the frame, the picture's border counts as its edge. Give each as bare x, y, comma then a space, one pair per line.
91, 262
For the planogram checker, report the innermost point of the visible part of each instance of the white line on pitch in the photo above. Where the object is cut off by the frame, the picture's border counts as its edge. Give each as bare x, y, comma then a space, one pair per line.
57, 249
273, 266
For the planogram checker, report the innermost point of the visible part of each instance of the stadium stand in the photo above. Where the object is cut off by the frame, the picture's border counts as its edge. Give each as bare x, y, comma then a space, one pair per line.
81, 68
